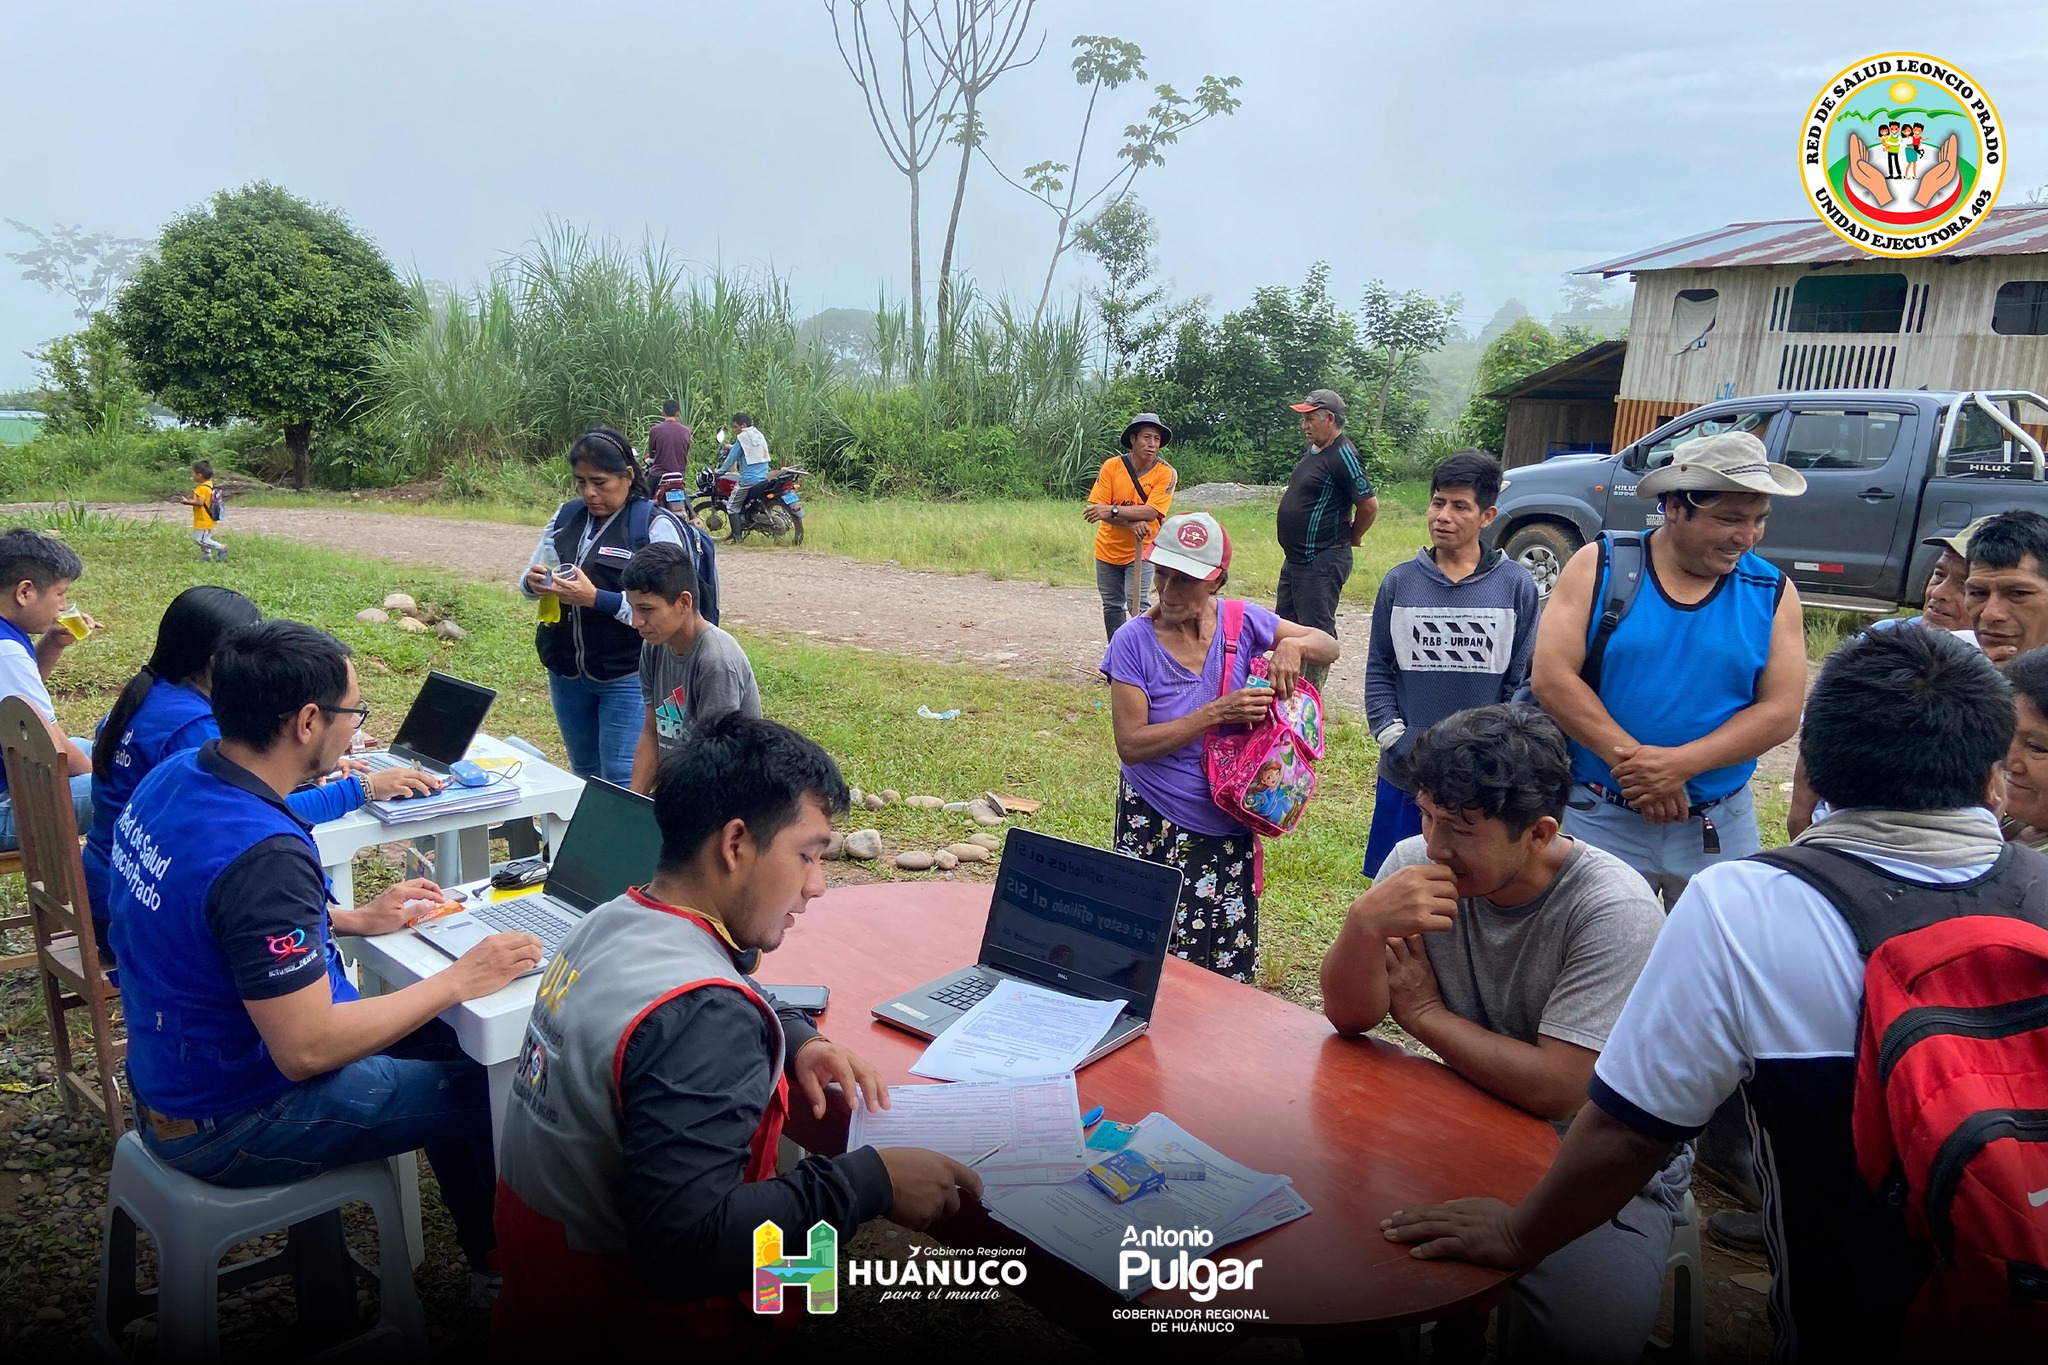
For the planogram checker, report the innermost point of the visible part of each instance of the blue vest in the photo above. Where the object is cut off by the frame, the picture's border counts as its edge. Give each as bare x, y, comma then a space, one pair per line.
171, 719
193, 1051
1675, 673
10, 631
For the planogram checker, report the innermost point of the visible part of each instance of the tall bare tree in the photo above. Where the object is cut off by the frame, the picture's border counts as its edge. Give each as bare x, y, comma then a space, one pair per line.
976, 45
1107, 64
911, 97
88, 268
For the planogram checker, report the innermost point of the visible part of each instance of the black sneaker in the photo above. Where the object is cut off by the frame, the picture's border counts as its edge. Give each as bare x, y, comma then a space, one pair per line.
1738, 1229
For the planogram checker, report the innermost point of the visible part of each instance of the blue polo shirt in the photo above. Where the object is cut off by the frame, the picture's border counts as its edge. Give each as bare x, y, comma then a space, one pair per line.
172, 719
216, 898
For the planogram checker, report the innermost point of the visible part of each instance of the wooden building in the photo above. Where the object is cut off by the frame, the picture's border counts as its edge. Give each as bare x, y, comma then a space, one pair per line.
1568, 407
1772, 307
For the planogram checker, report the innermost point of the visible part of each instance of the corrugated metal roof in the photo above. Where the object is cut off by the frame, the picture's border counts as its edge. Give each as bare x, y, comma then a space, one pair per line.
2016, 231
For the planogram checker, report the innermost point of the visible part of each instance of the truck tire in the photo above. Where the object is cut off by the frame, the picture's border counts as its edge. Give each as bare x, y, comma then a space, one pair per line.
1542, 547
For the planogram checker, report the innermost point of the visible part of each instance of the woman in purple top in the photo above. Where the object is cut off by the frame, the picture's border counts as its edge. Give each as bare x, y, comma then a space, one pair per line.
1165, 670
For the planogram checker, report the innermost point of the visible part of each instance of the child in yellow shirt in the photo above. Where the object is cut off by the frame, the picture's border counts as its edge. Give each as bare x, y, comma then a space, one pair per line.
204, 520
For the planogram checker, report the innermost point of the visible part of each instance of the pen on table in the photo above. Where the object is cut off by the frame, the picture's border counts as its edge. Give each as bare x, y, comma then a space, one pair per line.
987, 1154
1093, 1116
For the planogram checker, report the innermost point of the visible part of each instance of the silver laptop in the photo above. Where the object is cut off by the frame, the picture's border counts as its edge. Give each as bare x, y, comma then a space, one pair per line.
1072, 918
612, 843
440, 727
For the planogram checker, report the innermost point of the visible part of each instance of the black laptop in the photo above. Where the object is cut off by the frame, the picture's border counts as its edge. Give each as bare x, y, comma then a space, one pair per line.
1072, 918
612, 843
440, 727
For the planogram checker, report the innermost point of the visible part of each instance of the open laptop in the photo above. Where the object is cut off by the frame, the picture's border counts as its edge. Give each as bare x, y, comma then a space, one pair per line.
612, 843
440, 727
1072, 918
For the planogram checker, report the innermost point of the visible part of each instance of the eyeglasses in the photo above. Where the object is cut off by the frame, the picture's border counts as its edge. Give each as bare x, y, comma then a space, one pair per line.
361, 713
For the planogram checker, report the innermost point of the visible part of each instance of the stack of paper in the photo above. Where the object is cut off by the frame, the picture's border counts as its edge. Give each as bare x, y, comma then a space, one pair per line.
1018, 1031
1015, 1132
453, 799
1079, 1224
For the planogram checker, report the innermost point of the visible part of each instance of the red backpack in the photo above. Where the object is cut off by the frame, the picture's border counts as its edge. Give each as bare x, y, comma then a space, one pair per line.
1263, 775
1951, 1099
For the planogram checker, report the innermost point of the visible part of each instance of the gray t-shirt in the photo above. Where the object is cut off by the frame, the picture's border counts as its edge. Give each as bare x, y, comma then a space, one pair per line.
1561, 965
710, 680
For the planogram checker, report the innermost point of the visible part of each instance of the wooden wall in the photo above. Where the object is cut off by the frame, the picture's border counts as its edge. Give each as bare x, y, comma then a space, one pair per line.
1945, 342
1534, 423
1636, 417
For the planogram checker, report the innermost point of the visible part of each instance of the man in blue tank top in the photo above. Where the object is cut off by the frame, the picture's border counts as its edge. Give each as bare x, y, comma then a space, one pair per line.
253, 1059
1703, 675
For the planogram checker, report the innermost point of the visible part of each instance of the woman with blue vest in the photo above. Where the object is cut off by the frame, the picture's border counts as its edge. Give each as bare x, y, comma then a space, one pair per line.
589, 647
166, 709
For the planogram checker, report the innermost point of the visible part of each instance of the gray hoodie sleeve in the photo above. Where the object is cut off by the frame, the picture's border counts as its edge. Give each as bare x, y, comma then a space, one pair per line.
1382, 705
1523, 660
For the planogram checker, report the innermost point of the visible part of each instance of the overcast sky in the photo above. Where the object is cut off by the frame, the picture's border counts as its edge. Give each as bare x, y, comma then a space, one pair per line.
1459, 145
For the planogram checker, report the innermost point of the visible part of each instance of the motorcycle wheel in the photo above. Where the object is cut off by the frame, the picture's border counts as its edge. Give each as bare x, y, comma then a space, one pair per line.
796, 515
773, 522
713, 518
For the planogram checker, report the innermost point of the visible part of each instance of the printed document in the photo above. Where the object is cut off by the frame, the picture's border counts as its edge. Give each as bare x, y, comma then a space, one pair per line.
1018, 1031
1034, 1127
1079, 1224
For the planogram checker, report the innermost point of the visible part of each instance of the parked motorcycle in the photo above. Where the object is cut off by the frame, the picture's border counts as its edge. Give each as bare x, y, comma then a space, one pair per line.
772, 506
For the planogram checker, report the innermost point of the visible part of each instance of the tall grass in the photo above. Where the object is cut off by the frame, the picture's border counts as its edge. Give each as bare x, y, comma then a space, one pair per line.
577, 331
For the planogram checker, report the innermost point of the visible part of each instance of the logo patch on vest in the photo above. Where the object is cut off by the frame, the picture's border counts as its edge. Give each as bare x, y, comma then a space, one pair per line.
613, 552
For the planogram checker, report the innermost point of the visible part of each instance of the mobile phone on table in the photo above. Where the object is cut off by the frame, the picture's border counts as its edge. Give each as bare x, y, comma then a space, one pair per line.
810, 999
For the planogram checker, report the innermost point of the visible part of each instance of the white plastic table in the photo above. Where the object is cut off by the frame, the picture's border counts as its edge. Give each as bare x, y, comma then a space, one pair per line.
462, 845
490, 1028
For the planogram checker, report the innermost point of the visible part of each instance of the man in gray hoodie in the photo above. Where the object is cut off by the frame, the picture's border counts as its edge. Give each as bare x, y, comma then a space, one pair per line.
1453, 628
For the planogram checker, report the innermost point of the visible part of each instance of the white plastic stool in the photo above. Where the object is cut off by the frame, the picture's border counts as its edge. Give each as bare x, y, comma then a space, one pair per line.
193, 1223
1688, 1302
1688, 1294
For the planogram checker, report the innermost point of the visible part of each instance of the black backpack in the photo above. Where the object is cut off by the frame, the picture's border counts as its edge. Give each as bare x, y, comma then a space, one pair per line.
1622, 561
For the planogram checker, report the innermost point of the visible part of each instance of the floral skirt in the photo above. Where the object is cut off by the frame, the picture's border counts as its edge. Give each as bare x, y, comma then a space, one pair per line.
1216, 924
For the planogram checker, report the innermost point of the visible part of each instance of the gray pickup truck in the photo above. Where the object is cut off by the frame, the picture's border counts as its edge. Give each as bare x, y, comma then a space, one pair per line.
1885, 469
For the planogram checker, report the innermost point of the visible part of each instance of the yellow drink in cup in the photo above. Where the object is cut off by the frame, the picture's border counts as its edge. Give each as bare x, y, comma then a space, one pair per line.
74, 621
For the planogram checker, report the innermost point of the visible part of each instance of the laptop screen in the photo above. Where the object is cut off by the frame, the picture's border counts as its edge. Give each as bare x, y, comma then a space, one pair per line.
443, 720
612, 843
1093, 922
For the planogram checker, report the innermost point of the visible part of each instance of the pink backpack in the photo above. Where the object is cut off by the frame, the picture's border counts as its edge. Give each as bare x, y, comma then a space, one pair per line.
1263, 775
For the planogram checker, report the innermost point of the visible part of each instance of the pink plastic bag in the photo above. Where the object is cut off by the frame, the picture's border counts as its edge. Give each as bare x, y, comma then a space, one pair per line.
1264, 775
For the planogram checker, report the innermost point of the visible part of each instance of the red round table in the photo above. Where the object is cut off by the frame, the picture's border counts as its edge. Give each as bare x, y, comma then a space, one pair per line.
1362, 1127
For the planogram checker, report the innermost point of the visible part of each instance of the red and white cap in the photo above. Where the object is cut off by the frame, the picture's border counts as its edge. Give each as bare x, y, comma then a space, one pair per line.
1193, 543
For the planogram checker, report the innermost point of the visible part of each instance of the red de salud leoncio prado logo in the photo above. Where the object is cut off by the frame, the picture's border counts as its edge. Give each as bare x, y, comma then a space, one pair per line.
1193, 535
1902, 154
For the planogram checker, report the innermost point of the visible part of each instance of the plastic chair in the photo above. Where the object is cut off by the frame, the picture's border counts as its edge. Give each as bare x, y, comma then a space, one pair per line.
1688, 1294
193, 1223
1688, 1302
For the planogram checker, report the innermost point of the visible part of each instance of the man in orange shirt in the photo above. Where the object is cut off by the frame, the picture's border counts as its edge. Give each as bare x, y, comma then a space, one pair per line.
1131, 496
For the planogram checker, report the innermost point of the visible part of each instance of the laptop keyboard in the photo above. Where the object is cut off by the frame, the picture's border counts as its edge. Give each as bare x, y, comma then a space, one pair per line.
526, 915
963, 995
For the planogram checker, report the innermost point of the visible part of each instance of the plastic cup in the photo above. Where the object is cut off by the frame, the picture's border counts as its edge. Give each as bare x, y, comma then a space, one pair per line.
74, 621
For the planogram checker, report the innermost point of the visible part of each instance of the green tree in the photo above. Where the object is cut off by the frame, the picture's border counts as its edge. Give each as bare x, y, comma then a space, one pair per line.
1110, 64
88, 268
1524, 348
88, 382
1121, 238
1398, 330
260, 306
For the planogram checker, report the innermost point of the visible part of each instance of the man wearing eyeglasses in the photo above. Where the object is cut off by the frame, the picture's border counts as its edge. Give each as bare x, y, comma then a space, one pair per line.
253, 1059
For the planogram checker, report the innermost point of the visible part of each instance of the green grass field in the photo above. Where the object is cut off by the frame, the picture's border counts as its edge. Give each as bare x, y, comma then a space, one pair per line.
1049, 741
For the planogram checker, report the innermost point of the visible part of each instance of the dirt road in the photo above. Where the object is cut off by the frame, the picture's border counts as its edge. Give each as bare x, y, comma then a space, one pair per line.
1028, 629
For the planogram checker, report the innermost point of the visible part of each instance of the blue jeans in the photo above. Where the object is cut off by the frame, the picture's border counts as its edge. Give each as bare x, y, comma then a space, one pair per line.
1668, 856
1395, 817
1113, 584
81, 807
422, 1091
600, 723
